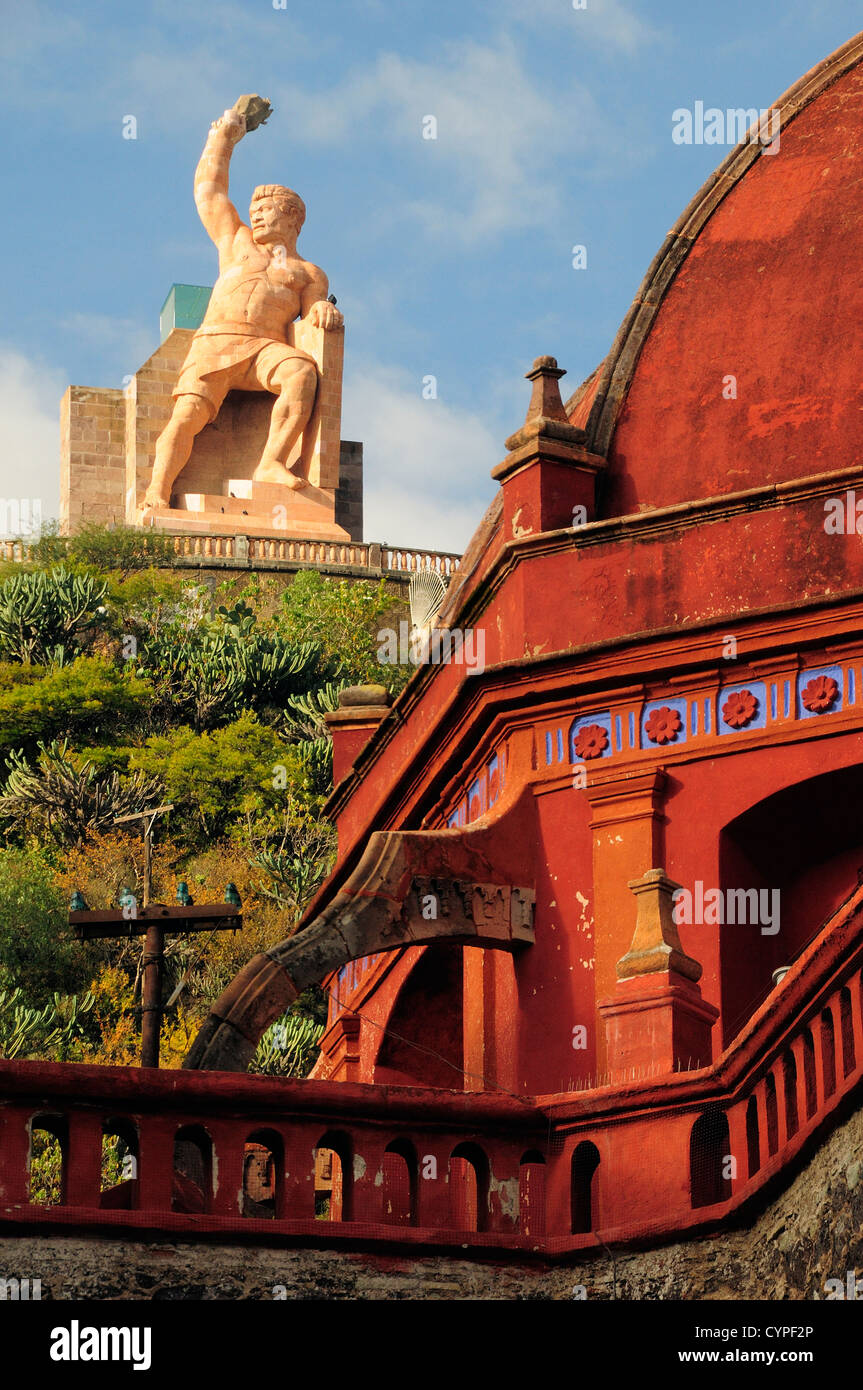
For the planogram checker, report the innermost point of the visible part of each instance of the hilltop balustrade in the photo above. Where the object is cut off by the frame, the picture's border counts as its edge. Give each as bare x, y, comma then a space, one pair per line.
438, 1169
369, 560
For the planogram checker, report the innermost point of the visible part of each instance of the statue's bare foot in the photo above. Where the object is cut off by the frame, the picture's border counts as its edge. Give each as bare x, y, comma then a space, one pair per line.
152, 501
271, 471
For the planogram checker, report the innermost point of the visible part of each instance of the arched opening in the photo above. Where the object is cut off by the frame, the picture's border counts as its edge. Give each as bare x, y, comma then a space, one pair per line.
846, 1017
400, 1183
423, 1042
772, 1115
809, 1082
799, 850
262, 1174
753, 1143
583, 1200
49, 1148
192, 1184
119, 1185
709, 1151
334, 1171
531, 1194
789, 1073
828, 1052
468, 1185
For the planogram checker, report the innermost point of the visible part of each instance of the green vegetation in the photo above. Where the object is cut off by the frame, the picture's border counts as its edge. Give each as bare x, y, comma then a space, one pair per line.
124, 686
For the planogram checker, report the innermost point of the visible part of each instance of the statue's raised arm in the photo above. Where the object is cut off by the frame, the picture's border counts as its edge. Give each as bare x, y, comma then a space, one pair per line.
215, 208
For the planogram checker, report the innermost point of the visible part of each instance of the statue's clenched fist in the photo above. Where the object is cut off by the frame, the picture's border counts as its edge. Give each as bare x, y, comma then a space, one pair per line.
232, 124
323, 314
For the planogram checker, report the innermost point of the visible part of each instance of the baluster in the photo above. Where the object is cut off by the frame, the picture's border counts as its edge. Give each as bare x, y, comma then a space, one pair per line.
14, 1154
84, 1159
738, 1146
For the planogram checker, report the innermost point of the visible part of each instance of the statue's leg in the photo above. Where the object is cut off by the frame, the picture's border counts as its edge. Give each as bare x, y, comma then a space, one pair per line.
296, 381
174, 445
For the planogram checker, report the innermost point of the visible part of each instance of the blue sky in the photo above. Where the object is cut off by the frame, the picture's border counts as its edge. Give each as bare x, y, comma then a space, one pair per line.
449, 257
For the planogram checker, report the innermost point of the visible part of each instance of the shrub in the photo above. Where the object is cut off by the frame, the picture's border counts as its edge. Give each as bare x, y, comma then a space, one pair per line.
44, 614
71, 801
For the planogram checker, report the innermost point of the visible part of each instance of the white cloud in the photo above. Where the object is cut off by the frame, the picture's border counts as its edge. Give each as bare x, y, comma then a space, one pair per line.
426, 464
605, 23
125, 339
30, 430
501, 136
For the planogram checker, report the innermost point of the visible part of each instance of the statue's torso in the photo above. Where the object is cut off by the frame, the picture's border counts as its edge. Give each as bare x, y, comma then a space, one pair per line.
259, 289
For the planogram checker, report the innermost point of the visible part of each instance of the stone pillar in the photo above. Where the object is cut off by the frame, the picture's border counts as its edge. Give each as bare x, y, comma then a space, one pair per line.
657, 1021
548, 477
361, 709
628, 825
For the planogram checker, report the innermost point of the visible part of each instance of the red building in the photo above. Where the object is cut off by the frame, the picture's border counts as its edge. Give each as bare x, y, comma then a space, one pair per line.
669, 588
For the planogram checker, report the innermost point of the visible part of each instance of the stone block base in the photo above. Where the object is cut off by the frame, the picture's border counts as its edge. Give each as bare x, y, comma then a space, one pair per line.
656, 1024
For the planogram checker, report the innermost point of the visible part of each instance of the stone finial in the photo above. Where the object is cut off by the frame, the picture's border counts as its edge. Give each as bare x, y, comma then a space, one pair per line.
656, 945
546, 417
545, 400
364, 696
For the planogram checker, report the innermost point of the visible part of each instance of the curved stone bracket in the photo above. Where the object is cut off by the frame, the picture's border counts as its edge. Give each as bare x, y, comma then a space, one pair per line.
410, 888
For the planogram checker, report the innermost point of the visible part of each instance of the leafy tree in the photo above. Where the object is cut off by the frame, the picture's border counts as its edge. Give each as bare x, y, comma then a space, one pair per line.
123, 548
38, 953
45, 613
344, 618
220, 777
107, 547
40, 703
67, 800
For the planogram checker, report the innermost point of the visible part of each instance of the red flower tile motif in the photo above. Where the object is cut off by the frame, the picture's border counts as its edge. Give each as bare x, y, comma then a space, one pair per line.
662, 725
591, 741
819, 694
740, 709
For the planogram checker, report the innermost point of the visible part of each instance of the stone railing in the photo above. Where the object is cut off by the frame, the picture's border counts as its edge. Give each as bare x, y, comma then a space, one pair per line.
216, 1152
237, 550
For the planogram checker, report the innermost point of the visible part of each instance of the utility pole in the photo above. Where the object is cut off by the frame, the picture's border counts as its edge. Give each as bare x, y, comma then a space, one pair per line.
153, 921
154, 947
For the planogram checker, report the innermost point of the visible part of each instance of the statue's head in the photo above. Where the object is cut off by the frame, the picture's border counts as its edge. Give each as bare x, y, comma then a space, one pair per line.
273, 210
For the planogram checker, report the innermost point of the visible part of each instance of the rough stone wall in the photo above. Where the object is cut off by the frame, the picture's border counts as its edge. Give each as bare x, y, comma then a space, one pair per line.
92, 456
810, 1233
349, 493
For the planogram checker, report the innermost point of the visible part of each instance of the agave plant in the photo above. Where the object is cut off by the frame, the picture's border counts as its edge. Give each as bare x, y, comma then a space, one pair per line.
293, 878
46, 611
209, 677
288, 1047
304, 714
72, 800
48, 1032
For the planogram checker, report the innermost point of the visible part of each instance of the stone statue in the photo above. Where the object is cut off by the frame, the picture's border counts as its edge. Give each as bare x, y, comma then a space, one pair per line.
263, 286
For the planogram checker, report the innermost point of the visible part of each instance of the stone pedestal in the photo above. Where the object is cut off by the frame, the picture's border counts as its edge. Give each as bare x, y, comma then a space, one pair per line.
109, 440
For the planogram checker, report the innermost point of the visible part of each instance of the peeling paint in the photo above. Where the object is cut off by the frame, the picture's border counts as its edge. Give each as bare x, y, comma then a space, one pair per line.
359, 1167
507, 1191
